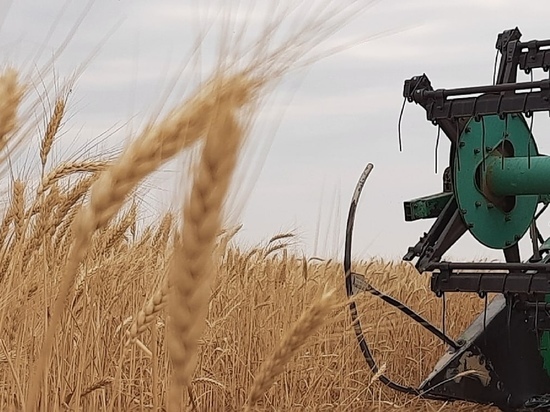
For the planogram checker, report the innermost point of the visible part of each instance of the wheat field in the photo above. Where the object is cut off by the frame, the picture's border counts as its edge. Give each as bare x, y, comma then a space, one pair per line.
112, 347
100, 311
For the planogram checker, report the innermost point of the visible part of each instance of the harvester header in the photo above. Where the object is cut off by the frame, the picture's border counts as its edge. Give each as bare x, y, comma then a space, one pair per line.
496, 186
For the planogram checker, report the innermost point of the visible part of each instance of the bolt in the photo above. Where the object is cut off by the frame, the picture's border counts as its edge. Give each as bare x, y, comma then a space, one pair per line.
467, 129
463, 211
507, 218
478, 203
476, 151
470, 225
460, 342
488, 149
490, 206
517, 237
508, 243
462, 144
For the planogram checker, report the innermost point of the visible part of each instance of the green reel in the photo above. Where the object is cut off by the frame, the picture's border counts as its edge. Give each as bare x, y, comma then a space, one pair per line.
496, 210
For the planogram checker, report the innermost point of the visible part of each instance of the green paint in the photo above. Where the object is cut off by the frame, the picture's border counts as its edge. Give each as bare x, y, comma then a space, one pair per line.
491, 223
426, 207
518, 175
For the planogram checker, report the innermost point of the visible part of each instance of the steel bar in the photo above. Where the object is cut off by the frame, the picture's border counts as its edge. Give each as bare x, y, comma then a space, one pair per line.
518, 175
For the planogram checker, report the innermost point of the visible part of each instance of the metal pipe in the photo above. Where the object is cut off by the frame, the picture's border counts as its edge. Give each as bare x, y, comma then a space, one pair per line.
518, 175
499, 88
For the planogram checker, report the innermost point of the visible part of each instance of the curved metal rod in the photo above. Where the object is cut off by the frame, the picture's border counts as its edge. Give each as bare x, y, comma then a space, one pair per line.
349, 290
349, 278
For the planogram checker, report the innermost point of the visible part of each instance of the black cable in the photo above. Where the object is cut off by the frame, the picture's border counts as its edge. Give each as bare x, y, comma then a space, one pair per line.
399, 124
444, 311
483, 143
401, 118
495, 68
504, 140
365, 350
486, 302
437, 145
457, 148
532, 115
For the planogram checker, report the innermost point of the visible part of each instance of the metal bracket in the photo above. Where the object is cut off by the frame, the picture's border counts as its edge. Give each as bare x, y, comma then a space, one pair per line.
426, 207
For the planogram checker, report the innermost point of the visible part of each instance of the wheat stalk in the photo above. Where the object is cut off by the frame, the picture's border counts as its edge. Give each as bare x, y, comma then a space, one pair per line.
157, 144
192, 266
11, 93
308, 323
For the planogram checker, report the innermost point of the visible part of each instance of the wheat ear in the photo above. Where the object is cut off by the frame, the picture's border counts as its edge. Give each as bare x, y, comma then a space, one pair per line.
66, 169
51, 130
148, 313
308, 323
11, 94
192, 266
156, 145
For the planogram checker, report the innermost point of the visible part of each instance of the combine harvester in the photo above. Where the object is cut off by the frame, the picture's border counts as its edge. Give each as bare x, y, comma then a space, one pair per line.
496, 186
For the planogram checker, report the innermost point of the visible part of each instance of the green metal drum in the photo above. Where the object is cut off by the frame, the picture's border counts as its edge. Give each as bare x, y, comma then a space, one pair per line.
497, 216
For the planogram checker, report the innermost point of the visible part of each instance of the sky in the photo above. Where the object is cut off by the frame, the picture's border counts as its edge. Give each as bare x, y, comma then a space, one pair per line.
325, 122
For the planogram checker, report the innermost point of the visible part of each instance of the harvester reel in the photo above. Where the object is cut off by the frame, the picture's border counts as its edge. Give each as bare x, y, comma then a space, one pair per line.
484, 147
494, 183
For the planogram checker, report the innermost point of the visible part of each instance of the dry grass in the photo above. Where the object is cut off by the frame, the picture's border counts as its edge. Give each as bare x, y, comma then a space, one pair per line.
259, 337
255, 313
84, 285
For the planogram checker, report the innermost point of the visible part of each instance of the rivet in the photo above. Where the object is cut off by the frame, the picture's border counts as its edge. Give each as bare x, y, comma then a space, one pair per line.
507, 243
478, 203
507, 218
476, 151
462, 144
490, 206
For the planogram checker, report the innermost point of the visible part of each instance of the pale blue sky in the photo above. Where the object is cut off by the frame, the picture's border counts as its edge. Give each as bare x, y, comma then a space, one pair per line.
338, 115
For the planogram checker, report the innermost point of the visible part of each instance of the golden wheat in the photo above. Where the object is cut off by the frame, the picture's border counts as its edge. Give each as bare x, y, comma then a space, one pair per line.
76, 262
192, 267
310, 321
52, 129
11, 92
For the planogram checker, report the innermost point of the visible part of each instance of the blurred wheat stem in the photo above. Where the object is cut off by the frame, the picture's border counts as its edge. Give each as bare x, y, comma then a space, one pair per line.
11, 93
156, 145
192, 266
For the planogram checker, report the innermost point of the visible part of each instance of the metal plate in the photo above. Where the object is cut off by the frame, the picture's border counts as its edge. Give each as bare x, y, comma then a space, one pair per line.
489, 224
